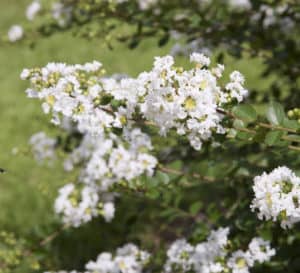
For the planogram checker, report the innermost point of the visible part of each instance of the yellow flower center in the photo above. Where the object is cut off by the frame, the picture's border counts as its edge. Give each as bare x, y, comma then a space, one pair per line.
50, 100
269, 199
203, 84
123, 120
190, 103
241, 263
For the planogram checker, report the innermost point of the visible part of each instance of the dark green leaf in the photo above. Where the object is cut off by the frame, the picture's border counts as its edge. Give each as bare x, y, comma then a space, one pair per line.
245, 112
195, 207
275, 113
273, 137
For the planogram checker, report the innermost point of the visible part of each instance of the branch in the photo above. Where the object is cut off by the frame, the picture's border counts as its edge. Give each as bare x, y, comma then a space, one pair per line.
178, 172
267, 126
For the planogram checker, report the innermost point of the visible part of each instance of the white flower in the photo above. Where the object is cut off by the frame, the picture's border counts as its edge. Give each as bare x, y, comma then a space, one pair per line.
15, 33
128, 259
103, 264
260, 250
33, 9
77, 206
146, 4
43, 147
200, 59
218, 71
236, 87
236, 76
25, 74
108, 211
61, 13
277, 196
240, 4
239, 262
179, 255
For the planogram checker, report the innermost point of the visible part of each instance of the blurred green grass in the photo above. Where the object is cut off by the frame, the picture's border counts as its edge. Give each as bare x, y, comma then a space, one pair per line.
27, 190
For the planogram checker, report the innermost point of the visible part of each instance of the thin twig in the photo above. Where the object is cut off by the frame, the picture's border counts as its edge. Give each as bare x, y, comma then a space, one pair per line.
275, 127
52, 236
178, 172
47, 240
295, 148
261, 124
268, 126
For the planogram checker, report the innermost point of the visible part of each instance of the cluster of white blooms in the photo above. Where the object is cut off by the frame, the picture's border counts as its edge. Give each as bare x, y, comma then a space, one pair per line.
72, 91
143, 4
278, 15
185, 48
128, 259
186, 100
110, 160
78, 206
213, 255
61, 13
106, 161
33, 9
240, 4
277, 196
42, 146
235, 86
147, 4
75, 93
168, 96
15, 33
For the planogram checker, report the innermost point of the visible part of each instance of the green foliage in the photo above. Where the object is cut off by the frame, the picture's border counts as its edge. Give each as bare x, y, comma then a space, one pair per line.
273, 137
275, 113
245, 112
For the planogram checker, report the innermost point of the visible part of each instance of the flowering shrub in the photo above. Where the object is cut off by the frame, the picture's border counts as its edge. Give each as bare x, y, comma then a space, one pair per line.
110, 113
188, 147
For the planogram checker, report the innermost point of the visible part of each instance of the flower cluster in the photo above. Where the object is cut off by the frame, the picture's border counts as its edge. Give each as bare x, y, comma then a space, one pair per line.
143, 4
80, 206
180, 48
210, 256
43, 147
33, 9
106, 161
168, 96
214, 256
109, 160
15, 33
128, 259
278, 16
61, 13
240, 4
277, 196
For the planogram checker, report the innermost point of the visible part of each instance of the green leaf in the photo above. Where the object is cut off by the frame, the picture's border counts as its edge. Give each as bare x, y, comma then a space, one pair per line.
292, 124
238, 124
163, 177
195, 207
245, 112
273, 137
245, 136
275, 113
260, 135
